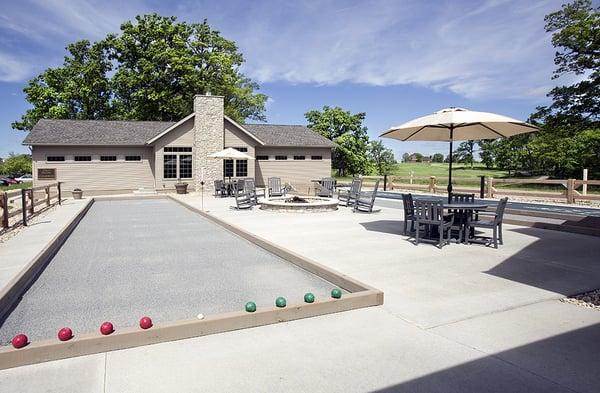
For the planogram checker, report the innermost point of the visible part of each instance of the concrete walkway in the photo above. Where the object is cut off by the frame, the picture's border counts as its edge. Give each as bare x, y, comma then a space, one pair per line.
460, 319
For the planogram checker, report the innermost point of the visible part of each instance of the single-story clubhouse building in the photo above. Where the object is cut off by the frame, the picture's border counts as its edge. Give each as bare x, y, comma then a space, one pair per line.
103, 157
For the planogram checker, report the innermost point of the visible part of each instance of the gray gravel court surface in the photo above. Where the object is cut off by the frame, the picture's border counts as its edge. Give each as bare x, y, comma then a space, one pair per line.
127, 259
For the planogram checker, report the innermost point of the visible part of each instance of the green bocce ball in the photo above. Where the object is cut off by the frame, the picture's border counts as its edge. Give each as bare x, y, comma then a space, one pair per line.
280, 302
250, 307
309, 297
336, 293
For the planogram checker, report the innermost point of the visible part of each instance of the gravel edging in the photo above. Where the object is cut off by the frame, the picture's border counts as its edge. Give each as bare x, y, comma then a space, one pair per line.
588, 299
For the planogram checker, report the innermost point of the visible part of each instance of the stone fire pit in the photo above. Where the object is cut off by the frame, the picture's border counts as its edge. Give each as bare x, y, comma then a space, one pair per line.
299, 204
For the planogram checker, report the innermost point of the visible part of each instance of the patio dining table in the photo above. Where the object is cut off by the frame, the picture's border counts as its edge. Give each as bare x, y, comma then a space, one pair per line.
468, 208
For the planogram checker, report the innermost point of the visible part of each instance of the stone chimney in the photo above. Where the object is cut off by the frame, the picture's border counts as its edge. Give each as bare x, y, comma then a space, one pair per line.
208, 139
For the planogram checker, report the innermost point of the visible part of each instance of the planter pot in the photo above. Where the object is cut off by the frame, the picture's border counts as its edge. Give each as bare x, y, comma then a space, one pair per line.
181, 188
77, 194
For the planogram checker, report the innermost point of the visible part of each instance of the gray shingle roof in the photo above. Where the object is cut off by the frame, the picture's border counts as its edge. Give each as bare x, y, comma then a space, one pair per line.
94, 132
287, 135
133, 133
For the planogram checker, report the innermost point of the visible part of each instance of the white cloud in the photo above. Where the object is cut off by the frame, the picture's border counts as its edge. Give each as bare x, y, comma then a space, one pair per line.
13, 69
492, 49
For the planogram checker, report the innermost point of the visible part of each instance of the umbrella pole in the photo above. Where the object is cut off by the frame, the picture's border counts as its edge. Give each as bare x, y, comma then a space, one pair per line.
450, 165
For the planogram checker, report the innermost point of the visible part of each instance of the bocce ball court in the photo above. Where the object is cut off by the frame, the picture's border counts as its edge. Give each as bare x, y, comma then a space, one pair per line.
128, 258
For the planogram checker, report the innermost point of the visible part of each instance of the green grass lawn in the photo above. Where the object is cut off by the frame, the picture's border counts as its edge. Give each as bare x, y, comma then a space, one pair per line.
441, 170
16, 186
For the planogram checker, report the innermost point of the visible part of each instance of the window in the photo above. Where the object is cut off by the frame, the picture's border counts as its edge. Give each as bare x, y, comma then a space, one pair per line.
108, 158
228, 168
133, 158
178, 149
170, 166
55, 158
262, 158
299, 157
316, 157
185, 166
280, 158
241, 168
83, 158
242, 149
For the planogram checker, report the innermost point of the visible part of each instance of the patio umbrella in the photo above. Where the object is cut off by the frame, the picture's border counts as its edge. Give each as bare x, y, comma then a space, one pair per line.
452, 124
231, 154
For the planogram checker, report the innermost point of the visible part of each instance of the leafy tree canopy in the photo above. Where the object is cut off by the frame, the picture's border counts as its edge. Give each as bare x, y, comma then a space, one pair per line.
150, 71
382, 157
16, 163
347, 131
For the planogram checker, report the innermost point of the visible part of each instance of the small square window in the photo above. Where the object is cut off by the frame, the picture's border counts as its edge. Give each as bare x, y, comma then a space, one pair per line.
281, 158
262, 158
108, 158
171, 149
299, 157
133, 158
83, 158
242, 149
55, 158
316, 157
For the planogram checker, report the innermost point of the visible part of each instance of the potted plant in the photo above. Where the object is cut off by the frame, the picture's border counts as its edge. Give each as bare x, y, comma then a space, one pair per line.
181, 187
77, 193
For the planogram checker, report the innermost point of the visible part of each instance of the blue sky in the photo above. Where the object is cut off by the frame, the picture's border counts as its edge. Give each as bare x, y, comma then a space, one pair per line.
394, 60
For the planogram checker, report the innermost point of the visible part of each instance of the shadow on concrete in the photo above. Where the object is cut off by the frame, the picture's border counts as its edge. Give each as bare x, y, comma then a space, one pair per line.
395, 227
564, 363
561, 267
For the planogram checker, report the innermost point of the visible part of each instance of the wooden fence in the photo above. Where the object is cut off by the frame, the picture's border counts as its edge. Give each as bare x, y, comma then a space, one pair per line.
490, 187
26, 202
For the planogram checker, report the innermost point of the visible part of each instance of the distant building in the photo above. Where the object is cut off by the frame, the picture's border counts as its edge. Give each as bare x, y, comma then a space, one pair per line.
416, 157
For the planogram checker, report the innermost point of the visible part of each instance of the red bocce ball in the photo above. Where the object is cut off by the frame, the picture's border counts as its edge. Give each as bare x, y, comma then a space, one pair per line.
107, 328
65, 334
19, 341
145, 323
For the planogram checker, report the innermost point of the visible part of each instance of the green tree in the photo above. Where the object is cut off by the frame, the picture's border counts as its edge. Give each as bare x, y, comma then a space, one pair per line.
465, 153
16, 163
80, 89
382, 157
437, 157
349, 134
150, 71
419, 157
405, 157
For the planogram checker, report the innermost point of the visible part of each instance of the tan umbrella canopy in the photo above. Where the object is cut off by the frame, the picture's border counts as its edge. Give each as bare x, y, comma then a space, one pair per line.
231, 154
460, 124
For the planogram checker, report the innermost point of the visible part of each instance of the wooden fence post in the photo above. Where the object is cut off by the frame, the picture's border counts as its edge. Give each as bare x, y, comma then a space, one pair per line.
411, 176
432, 184
4, 203
24, 206
47, 190
585, 177
490, 187
59, 196
570, 190
31, 208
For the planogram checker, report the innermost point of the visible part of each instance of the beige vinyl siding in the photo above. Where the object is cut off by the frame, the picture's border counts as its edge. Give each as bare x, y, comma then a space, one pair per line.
181, 136
97, 176
234, 137
298, 173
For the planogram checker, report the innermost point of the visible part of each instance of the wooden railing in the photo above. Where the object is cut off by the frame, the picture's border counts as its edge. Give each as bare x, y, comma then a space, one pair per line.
26, 202
491, 187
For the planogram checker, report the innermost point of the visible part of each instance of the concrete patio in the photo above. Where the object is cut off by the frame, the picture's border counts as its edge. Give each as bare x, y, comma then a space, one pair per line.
460, 319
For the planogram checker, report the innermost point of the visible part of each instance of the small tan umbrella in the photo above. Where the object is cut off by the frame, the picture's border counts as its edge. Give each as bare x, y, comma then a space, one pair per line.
231, 154
452, 124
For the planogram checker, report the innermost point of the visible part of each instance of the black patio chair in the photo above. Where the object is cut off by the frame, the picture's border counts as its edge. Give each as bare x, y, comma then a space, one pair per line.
366, 200
430, 215
325, 187
461, 216
409, 212
352, 194
494, 222
275, 188
220, 188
